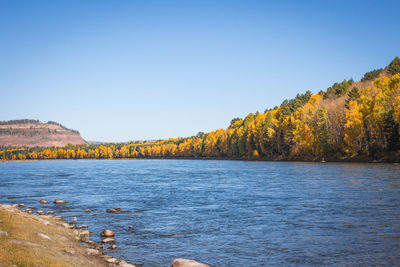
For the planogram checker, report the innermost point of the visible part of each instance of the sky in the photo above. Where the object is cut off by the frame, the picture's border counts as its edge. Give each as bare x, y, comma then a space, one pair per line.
141, 70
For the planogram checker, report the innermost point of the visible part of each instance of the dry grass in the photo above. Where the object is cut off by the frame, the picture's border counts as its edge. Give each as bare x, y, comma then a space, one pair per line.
61, 250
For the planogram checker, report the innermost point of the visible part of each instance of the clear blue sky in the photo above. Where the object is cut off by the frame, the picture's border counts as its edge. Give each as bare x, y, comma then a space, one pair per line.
134, 70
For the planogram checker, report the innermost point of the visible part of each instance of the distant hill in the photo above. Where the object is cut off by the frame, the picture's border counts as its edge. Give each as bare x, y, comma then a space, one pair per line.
32, 133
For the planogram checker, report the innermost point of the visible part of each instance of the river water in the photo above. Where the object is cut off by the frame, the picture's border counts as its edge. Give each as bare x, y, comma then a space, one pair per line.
224, 213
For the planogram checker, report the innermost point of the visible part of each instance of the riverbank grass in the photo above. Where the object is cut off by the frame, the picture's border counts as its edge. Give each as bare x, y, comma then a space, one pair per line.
30, 240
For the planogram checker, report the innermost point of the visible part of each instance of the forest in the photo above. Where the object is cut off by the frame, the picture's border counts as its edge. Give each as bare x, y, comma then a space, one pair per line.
348, 121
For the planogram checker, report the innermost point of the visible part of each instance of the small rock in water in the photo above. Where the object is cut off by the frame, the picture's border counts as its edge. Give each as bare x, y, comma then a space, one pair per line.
50, 212
11, 197
88, 210
75, 220
58, 201
29, 211
32, 208
41, 212
21, 205
81, 226
130, 227
187, 263
113, 246
107, 233
3, 233
108, 240
42, 201
111, 210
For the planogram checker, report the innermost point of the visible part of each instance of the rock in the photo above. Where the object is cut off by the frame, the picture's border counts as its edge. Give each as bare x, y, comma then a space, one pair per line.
130, 227
108, 240
67, 225
70, 251
32, 208
125, 264
187, 263
29, 211
107, 233
57, 217
84, 236
111, 210
81, 226
58, 201
41, 212
42, 201
43, 236
22, 242
11, 197
3, 233
113, 246
88, 210
75, 220
50, 212
112, 260
20, 205
44, 221
92, 252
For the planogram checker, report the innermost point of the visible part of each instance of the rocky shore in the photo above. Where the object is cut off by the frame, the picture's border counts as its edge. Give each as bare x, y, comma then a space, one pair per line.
27, 239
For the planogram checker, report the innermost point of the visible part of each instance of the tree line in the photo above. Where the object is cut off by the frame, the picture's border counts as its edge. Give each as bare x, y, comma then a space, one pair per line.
350, 120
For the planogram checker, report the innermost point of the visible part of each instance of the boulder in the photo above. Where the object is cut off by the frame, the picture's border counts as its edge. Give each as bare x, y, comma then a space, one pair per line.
20, 205
42, 201
125, 264
84, 236
50, 212
88, 210
58, 201
32, 208
187, 263
107, 233
112, 260
108, 240
130, 227
92, 252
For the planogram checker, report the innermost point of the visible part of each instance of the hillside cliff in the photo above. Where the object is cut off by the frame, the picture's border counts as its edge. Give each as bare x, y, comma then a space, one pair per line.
32, 133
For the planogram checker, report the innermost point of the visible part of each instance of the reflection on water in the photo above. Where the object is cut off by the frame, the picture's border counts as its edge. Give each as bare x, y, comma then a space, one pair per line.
225, 213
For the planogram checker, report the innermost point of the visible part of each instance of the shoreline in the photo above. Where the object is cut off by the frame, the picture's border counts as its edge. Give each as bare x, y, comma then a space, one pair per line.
326, 160
28, 239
